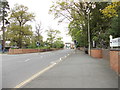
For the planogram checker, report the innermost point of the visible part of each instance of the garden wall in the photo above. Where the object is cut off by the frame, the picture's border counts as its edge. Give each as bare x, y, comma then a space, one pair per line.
112, 55
96, 53
115, 60
23, 51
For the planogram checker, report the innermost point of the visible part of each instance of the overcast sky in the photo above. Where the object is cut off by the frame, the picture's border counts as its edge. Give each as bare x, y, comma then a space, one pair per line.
41, 8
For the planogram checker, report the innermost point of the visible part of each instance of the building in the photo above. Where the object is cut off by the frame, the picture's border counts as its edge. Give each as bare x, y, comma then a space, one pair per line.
69, 46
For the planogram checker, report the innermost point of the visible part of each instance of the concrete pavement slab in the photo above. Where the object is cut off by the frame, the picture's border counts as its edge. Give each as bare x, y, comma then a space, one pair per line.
77, 71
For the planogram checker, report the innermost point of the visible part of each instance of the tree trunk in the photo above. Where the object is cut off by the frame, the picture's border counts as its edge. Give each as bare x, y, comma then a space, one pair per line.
3, 28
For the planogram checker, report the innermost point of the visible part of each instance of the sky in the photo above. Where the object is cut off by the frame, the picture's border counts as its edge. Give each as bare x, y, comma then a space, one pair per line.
40, 8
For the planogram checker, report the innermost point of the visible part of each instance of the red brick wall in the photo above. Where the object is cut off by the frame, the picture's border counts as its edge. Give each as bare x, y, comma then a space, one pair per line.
96, 53
15, 51
22, 51
115, 60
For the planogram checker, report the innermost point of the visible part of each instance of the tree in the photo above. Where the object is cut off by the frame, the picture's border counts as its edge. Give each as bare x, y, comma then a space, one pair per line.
115, 27
77, 13
112, 11
69, 9
38, 33
19, 32
99, 26
78, 33
52, 36
4, 6
58, 43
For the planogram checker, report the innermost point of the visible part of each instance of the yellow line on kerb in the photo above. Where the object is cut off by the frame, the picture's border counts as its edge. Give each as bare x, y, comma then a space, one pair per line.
34, 76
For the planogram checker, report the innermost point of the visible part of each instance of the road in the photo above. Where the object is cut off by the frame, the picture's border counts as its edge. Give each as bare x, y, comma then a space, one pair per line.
17, 68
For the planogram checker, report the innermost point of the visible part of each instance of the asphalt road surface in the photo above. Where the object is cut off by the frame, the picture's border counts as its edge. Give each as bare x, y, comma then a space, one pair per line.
17, 68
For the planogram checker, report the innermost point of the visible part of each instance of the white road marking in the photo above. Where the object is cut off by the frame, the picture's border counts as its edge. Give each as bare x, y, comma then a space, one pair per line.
60, 58
53, 62
27, 60
34, 76
45, 52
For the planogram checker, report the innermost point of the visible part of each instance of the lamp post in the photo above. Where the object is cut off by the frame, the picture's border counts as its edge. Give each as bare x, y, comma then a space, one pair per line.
89, 47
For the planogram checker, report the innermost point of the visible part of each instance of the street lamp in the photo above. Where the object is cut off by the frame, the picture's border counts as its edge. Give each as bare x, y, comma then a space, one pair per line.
89, 32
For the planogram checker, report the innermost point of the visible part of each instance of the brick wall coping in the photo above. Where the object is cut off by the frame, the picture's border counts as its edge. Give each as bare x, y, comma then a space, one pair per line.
96, 48
105, 49
114, 49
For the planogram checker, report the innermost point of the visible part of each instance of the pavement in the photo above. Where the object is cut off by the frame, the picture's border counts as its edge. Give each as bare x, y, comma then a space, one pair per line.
78, 70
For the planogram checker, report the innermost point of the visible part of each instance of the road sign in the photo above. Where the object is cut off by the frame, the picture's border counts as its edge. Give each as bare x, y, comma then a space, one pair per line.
115, 42
38, 43
75, 41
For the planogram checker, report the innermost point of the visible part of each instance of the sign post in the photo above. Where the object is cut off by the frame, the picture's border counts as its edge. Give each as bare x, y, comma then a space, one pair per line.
111, 40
